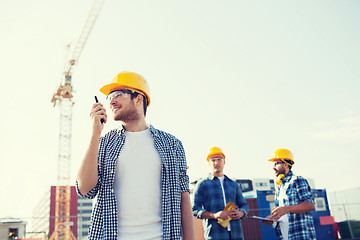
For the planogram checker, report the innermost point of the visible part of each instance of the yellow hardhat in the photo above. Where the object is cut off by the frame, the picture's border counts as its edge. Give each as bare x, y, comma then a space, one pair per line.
128, 80
215, 151
282, 154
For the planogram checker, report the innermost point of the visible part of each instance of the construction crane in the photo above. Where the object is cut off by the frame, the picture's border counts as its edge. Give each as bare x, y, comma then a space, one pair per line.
64, 98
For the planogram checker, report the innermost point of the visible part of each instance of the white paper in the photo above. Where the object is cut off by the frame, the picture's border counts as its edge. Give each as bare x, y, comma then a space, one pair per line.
266, 219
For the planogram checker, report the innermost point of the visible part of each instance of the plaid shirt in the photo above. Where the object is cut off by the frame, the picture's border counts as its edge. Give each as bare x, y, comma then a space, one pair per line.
174, 181
301, 225
208, 196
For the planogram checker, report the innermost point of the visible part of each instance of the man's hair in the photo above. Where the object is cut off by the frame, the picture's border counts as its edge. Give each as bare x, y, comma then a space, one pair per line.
134, 95
290, 163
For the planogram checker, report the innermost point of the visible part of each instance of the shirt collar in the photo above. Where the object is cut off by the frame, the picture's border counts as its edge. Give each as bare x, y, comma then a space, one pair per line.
121, 130
212, 177
154, 131
288, 176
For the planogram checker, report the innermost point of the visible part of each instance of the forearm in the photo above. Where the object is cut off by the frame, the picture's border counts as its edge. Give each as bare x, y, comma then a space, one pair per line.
87, 175
187, 221
301, 207
208, 215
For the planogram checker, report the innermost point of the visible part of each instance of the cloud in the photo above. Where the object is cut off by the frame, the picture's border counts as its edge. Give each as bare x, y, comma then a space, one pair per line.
343, 129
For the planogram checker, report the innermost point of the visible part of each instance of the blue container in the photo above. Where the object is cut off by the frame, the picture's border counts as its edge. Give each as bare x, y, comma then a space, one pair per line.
265, 204
322, 209
265, 200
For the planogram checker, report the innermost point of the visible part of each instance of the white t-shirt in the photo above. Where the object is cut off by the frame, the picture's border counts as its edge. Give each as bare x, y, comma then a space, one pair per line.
137, 188
224, 197
284, 225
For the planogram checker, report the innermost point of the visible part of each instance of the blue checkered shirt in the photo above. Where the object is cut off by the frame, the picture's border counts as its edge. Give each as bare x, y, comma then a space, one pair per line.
208, 197
301, 225
174, 181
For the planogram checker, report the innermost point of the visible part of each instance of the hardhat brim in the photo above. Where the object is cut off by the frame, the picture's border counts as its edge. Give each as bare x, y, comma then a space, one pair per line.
279, 160
109, 87
274, 160
210, 155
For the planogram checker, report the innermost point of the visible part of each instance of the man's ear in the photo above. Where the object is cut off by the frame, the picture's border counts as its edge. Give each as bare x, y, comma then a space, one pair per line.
139, 99
287, 165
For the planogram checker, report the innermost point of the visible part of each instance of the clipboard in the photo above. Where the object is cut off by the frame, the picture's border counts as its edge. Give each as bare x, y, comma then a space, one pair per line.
265, 219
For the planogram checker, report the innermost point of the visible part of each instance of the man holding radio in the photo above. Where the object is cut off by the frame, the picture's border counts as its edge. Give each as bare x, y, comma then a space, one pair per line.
137, 172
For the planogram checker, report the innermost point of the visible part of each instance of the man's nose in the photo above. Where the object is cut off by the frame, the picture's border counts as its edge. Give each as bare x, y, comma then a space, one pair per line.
112, 102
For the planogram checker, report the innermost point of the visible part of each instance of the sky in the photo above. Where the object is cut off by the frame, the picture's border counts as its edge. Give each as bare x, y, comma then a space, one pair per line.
247, 76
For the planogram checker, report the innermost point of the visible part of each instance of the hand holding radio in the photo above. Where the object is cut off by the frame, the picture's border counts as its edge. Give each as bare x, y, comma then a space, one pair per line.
98, 114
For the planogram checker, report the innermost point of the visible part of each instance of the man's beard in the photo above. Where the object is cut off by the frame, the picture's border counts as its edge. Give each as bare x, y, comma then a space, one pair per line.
280, 171
127, 115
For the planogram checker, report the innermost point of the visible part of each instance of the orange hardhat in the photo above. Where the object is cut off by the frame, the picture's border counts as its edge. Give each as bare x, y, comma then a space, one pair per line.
282, 154
128, 80
215, 151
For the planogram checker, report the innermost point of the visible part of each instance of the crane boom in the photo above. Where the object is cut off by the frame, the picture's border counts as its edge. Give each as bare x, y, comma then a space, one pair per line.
89, 24
64, 97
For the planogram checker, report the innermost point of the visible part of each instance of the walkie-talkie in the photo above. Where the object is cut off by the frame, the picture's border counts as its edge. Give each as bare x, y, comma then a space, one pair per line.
96, 100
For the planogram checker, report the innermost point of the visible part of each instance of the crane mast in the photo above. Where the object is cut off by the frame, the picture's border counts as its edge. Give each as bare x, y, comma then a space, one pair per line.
64, 98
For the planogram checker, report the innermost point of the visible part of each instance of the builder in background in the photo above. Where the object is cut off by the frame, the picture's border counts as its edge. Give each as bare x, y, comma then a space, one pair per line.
212, 194
293, 201
137, 172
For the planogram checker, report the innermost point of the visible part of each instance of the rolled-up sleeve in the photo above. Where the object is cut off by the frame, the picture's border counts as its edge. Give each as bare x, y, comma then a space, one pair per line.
183, 177
304, 190
91, 194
